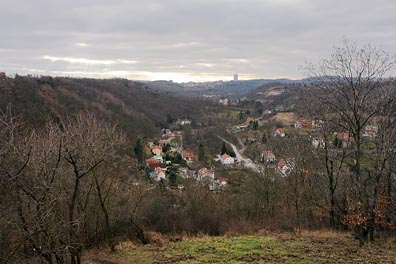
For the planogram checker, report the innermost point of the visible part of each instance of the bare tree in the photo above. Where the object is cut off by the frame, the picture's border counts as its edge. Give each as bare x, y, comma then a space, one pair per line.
353, 87
53, 193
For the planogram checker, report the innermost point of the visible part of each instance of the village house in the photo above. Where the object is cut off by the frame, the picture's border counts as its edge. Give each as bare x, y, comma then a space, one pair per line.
156, 150
224, 101
205, 174
280, 132
154, 166
187, 173
158, 174
225, 159
183, 122
218, 184
282, 168
222, 181
370, 131
267, 112
189, 156
159, 158
344, 139
318, 142
302, 123
317, 123
268, 156
151, 161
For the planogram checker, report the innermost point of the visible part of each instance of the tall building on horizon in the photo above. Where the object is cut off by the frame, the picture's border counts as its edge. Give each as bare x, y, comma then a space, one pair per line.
235, 76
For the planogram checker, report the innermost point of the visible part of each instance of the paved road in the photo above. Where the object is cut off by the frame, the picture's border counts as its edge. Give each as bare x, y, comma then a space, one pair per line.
247, 163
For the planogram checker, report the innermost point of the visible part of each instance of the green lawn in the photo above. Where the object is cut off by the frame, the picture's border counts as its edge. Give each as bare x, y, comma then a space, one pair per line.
254, 249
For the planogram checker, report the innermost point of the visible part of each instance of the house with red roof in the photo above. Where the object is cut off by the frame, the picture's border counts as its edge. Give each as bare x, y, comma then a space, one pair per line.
280, 132
226, 159
345, 138
222, 181
156, 150
283, 168
151, 161
154, 166
302, 123
189, 156
205, 174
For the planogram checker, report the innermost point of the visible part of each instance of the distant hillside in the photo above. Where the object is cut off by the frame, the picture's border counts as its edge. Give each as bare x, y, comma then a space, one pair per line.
230, 89
137, 109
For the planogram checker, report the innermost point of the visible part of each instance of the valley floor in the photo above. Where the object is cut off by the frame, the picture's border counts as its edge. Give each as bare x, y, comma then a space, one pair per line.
310, 247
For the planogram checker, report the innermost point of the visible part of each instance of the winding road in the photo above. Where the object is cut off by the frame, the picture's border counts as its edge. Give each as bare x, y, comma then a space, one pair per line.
247, 163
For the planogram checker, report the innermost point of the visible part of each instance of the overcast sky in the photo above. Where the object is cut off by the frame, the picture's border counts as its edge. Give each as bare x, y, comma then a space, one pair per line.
184, 40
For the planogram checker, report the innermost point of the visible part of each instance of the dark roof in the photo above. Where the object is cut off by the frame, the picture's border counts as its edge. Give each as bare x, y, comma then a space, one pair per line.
157, 165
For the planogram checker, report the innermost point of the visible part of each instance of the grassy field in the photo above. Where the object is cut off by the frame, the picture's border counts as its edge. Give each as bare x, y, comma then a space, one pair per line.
286, 118
310, 247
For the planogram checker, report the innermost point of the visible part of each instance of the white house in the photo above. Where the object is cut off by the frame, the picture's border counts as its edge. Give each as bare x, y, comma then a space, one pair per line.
280, 132
158, 174
205, 174
226, 159
370, 131
183, 122
318, 142
282, 168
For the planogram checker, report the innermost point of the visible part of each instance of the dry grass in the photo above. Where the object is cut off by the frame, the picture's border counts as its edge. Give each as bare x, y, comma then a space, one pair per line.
303, 247
285, 118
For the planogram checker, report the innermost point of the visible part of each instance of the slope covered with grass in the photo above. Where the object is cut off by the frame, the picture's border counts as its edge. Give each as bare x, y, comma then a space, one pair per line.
273, 248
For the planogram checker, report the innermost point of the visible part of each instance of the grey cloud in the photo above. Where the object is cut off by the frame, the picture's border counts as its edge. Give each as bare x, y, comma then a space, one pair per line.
213, 38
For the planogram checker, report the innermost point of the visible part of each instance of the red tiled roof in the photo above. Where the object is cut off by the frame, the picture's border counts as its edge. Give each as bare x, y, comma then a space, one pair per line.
225, 156
157, 165
156, 147
188, 155
203, 171
151, 161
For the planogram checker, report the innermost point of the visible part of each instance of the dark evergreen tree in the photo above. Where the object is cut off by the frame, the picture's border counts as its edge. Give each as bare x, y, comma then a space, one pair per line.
264, 139
201, 152
139, 151
223, 148
255, 125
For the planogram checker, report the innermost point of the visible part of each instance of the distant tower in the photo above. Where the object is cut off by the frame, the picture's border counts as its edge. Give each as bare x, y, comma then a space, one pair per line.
236, 77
